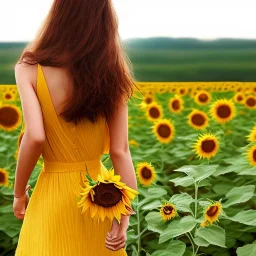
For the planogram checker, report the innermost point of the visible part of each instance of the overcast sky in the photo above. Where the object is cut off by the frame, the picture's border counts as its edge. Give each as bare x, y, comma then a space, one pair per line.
204, 19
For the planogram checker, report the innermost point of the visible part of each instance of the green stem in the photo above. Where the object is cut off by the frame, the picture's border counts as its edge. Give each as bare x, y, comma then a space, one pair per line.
197, 249
143, 231
196, 201
138, 226
193, 247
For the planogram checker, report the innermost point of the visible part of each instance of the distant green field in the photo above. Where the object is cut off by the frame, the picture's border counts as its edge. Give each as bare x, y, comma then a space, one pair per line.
9, 55
194, 65
167, 60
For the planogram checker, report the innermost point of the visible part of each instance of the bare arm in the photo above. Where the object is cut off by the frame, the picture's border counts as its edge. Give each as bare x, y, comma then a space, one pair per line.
120, 152
119, 146
33, 139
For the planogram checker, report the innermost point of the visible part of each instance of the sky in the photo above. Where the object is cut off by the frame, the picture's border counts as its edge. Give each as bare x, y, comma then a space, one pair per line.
203, 19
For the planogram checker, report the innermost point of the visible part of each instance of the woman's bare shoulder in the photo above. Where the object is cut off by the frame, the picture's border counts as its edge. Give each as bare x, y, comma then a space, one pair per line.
25, 71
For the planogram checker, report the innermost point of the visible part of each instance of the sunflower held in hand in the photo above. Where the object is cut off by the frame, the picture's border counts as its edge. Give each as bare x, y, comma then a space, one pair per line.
106, 197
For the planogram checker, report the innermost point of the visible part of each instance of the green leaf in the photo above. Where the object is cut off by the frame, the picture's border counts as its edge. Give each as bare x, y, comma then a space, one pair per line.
188, 253
155, 222
250, 171
152, 205
6, 209
239, 195
247, 250
200, 241
236, 168
198, 172
224, 170
156, 192
151, 194
13, 229
230, 242
212, 234
177, 227
245, 217
174, 248
6, 191
183, 181
222, 188
182, 202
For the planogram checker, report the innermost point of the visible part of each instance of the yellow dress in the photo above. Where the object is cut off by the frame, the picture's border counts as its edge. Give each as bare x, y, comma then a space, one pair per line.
53, 225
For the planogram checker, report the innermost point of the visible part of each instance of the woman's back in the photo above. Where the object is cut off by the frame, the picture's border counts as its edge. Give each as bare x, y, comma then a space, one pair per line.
66, 142
60, 85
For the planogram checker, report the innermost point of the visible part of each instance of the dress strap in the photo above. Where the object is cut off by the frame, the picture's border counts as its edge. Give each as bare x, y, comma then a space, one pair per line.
43, 91
49, 113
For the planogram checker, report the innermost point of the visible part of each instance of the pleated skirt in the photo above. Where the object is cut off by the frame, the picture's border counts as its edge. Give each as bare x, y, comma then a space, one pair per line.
53, 225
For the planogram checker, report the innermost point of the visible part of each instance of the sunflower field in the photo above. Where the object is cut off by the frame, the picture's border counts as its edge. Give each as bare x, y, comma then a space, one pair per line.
193, 147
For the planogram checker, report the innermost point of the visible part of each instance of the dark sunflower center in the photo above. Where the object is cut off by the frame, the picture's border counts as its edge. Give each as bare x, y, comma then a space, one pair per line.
208, 145
251, 102
167, 209
148, 100
154, 112
254, 155
182, 91
107, 194
164, 131
2, 177
8, 96
223, 111
212, 211
176, 104
198, 119
146, 173
203, 97
8, 116
239, 98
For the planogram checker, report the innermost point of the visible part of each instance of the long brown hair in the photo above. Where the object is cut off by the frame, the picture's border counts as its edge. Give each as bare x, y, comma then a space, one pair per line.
83, 36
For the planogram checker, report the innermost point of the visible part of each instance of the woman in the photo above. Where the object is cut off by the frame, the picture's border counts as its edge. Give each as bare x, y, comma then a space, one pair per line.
74, 83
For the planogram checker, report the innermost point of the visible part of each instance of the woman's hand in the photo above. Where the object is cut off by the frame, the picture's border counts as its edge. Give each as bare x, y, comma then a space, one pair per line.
20, 204
116, 238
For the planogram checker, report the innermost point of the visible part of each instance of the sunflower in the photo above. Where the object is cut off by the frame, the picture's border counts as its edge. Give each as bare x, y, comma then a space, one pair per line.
239, 97
251, 155
8, 96
239, 89
168, 211
206, 146
223, 110
202, 97
164, 130
250, 101
3, 177
198, 119
252, 136
107, 197
182, 91
10, 117
154, 111
176, 104
148, 99
145, 173
212, 213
